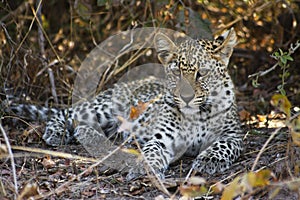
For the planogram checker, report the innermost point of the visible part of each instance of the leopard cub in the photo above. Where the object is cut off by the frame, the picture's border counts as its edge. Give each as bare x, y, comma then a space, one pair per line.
194, 111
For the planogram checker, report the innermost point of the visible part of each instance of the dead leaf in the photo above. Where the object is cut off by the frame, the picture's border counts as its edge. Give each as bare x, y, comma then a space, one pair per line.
260, 178
274, 193
136, 111
28, 191
246, 183
192, 190
194, 180
262, 118
83, 8
294, 185
232, 190
3, 149
139, 109
48, 163
218, 187
282, 103
194, 187
244, 115
295, 130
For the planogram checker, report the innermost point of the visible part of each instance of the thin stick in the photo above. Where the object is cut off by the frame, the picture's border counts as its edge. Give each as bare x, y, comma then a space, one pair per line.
53, 153
263, 148
13, 166
262, 73
41, 40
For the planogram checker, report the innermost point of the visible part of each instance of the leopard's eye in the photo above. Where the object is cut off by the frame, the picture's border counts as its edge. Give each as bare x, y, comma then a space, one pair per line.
201, 73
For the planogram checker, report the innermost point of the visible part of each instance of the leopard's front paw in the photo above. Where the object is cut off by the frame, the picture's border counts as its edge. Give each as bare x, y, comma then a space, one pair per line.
56, 136
210, 164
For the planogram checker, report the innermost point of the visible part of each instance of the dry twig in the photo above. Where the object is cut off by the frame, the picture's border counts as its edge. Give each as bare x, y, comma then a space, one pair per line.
11, 156
264, 147
41, 40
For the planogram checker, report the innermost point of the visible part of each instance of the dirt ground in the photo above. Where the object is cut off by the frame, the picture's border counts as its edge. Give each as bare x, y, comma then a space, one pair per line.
62, 177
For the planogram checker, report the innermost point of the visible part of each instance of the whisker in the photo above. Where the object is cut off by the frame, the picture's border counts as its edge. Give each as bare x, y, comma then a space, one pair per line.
177, 100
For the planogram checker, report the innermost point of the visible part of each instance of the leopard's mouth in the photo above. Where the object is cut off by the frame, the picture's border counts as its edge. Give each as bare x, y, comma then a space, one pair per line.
188, 108
196, 105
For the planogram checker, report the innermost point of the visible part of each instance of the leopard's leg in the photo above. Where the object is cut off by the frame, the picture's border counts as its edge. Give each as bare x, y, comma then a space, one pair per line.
161, 144
62, 128
220, 155
225, 143
156, 159
98, 114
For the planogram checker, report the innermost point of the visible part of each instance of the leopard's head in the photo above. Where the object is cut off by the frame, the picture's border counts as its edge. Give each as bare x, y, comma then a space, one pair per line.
193, 66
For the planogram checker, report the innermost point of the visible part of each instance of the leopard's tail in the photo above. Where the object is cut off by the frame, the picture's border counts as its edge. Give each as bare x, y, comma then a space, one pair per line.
9, 107
31, 112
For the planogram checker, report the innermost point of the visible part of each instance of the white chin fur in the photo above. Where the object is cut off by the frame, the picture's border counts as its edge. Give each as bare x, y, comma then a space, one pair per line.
189, 110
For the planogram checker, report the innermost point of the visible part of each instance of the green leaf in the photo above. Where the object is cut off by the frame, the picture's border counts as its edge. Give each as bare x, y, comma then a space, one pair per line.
286, 74
283, 60
288, 57
276, 54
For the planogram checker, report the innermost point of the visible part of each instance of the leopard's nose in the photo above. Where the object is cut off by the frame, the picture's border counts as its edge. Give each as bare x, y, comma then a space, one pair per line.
187, 92
187, 98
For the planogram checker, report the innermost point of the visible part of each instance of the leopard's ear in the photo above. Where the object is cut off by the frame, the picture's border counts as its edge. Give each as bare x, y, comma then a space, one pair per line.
164, 47
225, 49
